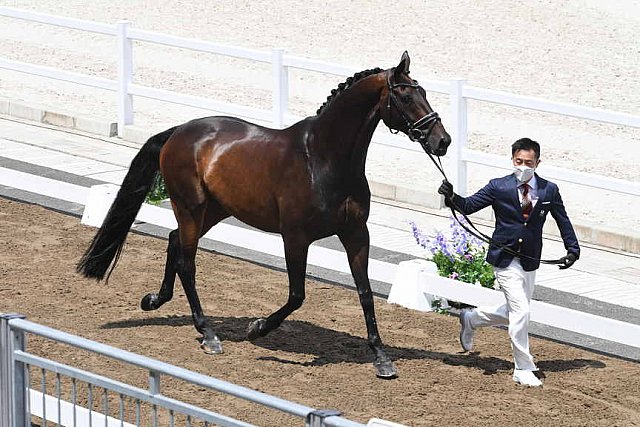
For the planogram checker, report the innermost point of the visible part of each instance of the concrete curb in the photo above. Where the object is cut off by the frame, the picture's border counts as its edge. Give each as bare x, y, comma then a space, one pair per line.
624, 240
42, 115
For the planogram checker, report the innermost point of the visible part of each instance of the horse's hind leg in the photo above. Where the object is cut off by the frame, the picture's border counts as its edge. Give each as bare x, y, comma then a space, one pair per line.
154, 301
192, 225
295, 251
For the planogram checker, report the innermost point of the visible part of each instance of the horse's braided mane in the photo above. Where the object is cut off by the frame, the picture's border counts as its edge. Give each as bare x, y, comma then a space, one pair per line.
347, 84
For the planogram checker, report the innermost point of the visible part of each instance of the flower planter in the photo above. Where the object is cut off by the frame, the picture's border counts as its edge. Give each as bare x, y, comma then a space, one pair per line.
417, 284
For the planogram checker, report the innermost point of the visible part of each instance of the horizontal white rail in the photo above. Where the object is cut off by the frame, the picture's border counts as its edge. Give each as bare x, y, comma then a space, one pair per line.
199, 45
541, 312
538, 104
198, 102
438, 86
57, 74
556, 173
318, 66
60, 21
67, 414
44, 186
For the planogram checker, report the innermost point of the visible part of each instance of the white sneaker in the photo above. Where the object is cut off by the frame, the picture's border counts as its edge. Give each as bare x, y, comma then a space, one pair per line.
466, 331
527, 378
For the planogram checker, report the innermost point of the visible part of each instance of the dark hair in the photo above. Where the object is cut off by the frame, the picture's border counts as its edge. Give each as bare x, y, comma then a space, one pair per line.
347, 84
526, 144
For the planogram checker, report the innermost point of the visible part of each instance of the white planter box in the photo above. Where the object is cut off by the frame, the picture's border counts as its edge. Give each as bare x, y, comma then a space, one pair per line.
417, 284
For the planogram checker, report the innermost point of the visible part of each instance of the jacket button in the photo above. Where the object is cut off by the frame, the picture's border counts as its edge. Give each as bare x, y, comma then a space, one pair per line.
519, 240
525, 224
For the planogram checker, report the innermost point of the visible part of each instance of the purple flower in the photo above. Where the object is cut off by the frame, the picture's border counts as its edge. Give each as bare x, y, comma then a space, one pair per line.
458, 243
454, 276
421, 239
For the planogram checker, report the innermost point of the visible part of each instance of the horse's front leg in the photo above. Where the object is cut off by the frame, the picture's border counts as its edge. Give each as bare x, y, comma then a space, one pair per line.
295, 251
356, 242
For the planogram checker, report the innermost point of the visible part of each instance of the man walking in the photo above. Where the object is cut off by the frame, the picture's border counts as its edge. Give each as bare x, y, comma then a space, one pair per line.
521, 202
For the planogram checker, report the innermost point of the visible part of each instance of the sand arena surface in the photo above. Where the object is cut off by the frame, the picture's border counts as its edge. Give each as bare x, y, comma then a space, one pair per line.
318, 357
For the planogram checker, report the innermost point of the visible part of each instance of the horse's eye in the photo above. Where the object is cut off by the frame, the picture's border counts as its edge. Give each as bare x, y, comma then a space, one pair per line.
405, 97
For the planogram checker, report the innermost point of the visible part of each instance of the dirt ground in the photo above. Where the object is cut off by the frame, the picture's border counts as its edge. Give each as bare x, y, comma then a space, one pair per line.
319, 357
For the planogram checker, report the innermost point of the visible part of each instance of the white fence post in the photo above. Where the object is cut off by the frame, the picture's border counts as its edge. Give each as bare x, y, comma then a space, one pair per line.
13, 384
125, 76
458, 129
280, 87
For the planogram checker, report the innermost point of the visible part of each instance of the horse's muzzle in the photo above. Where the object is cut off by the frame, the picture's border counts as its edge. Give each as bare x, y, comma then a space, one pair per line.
440, 148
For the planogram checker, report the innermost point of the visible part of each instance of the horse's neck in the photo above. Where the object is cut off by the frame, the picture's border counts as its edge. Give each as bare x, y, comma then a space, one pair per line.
344, 130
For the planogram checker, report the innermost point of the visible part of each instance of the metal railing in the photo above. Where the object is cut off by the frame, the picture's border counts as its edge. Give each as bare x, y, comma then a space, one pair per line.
19, 401
457, 89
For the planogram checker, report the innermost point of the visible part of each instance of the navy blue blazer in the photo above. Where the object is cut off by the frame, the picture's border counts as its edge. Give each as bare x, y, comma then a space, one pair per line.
511, 229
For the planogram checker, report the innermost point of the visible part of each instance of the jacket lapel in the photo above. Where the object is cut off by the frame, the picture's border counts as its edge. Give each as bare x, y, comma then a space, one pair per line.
542, 195
512, 185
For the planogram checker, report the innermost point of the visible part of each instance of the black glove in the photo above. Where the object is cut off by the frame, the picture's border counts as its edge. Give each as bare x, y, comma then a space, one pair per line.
446, 189
567, 261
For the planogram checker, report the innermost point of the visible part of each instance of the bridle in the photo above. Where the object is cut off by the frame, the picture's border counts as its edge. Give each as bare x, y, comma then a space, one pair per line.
420, 129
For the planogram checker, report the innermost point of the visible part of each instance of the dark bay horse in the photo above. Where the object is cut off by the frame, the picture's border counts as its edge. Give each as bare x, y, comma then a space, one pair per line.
305, 182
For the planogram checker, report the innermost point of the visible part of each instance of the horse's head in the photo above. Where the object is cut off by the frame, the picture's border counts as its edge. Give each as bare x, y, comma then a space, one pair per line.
405, 108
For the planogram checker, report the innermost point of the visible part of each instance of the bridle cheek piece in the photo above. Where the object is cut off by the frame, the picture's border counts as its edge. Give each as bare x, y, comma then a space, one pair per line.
420, 129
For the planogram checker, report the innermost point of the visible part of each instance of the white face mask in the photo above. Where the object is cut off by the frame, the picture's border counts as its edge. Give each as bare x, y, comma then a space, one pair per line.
523, 173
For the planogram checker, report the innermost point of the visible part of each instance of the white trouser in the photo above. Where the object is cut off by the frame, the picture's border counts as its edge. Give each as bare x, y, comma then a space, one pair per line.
517, 286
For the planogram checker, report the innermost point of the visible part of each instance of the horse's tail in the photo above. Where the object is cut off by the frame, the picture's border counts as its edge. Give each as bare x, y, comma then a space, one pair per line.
107, 244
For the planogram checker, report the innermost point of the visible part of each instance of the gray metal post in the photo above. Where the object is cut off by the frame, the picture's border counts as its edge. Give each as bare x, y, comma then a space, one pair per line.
13, 387
316, 418
5, 373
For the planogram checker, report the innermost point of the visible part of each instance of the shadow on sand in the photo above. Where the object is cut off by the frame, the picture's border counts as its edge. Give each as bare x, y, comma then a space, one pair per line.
328, 346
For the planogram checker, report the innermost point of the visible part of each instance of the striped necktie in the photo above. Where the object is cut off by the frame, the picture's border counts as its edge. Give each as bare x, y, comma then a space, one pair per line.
526, 204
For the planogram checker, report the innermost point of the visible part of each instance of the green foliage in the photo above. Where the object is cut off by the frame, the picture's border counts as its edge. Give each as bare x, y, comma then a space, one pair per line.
470, 268
158, 191
436, 307
458, 255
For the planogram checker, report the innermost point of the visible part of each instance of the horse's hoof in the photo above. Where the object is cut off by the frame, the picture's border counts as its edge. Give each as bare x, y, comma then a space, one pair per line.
256, 329
211, 345
149, 302
385, 369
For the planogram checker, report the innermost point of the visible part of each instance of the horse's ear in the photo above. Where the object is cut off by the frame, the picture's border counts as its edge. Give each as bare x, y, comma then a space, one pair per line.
403, 66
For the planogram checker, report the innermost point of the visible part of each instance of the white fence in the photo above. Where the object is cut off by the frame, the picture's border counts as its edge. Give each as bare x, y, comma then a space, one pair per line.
278, 116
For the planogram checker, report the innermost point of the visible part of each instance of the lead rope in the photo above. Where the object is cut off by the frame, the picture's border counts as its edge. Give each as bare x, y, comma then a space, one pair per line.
479, 234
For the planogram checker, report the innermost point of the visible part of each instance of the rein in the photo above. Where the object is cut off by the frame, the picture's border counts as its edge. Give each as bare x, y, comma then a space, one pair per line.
473, 230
